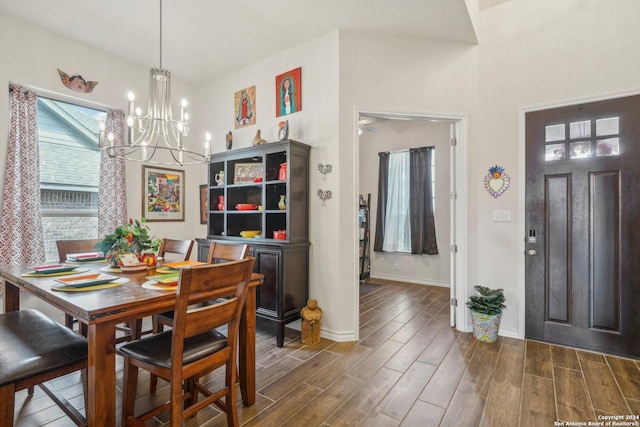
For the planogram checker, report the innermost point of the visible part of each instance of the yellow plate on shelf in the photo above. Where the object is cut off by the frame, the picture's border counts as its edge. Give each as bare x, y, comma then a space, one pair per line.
250, 233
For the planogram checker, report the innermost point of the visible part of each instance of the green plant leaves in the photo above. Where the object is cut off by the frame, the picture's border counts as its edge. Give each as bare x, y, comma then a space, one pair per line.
489, 301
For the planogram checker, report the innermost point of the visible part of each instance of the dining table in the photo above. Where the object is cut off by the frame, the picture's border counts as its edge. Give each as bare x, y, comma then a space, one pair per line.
130, 297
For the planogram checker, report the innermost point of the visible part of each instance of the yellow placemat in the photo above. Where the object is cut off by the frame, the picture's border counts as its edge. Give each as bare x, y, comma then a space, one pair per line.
62, 273
65, 288
164, 270
152, 284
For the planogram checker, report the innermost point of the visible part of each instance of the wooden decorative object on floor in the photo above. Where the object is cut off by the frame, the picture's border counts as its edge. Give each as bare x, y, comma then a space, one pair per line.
311, 317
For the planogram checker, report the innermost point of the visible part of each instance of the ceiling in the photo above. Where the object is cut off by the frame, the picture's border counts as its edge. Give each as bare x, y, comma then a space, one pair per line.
203, 39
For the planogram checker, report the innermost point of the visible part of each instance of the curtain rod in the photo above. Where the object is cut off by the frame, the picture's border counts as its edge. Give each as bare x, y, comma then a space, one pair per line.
60, 97
407, 149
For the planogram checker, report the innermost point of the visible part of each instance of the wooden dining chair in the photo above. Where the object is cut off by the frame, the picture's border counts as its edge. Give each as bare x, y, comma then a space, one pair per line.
175, 250
66, 247
36, 349
218, 252
193, 346
131, 329
223, 252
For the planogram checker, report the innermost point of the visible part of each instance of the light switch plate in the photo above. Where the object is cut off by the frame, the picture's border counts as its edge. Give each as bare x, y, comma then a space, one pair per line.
502, 216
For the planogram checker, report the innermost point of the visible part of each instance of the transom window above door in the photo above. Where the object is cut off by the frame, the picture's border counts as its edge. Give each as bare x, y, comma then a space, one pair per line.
582, 139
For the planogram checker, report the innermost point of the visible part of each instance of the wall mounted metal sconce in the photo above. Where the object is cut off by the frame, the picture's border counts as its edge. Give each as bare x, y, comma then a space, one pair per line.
324, 170
324, 195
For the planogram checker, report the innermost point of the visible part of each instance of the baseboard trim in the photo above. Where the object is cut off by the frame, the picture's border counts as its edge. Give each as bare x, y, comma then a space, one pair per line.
411, 280
324, 333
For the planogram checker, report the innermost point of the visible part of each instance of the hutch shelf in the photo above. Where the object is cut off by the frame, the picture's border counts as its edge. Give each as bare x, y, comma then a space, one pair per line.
264, 189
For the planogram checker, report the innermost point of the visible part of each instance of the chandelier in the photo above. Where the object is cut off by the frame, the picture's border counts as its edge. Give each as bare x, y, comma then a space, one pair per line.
155, 131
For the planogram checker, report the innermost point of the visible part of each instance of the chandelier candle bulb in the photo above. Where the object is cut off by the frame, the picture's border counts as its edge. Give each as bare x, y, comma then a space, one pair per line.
132, 98
102, 129
207, 145
183, 105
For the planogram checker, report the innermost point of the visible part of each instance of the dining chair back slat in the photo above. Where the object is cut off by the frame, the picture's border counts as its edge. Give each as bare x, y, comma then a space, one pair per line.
175, 250
66, 247
223, 252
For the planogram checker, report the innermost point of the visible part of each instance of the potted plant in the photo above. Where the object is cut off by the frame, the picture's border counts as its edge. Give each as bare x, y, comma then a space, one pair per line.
486, 312
131, 237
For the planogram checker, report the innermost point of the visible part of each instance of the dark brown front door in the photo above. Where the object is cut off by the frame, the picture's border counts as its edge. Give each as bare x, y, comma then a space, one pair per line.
583, 226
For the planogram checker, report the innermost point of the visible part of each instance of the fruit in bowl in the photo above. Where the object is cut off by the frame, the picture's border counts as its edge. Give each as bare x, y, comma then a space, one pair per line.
250, 233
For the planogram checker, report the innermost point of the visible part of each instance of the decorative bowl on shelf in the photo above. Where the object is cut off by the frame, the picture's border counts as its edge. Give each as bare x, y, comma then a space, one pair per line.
280, 235
257, 179
246, 207
250, 233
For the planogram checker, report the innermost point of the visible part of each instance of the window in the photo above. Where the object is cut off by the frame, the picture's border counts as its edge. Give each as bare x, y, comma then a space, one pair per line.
583, 139
406, 187
69, 171
397, 237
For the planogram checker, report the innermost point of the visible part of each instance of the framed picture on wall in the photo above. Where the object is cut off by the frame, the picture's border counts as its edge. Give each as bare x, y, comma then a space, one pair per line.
245, 107
162, 194
289, 92
204, 203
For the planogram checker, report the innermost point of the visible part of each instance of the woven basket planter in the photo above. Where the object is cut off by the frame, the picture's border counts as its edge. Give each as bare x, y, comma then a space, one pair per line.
485, 326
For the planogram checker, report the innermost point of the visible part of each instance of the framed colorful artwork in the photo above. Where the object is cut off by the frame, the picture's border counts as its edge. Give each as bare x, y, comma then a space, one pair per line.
247, 172
245, 107
289, 92
163, 194
203, 203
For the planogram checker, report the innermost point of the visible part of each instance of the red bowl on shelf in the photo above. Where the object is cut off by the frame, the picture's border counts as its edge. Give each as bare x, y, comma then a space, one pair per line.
246, 207
257, 179
280, 235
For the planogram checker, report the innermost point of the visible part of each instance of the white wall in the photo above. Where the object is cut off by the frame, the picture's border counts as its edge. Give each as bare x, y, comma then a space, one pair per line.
394, 75
315, 125
392, 135
31, 56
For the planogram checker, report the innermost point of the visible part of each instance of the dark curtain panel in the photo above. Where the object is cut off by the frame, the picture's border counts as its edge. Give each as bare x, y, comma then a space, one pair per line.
383, 184
423, 229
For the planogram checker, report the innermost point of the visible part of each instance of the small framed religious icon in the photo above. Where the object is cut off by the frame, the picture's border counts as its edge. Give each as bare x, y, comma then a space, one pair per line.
289, 92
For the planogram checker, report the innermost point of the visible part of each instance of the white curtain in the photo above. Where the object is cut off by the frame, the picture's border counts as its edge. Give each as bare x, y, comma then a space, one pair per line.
112, 193
21, 235
397, 237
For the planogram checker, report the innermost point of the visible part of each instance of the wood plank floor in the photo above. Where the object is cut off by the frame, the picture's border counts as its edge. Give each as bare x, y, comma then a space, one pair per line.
408, 369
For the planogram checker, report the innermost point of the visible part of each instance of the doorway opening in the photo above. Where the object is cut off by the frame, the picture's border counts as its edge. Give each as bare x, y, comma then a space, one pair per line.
377, 131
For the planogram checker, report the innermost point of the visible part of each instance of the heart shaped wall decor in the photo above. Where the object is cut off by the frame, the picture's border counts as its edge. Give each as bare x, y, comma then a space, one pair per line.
496, 181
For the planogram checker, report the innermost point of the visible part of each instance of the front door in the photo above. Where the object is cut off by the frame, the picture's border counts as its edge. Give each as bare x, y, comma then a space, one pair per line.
583, 225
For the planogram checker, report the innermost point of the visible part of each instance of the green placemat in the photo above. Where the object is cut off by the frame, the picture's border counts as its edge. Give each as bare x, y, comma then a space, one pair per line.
62, 273
66, 288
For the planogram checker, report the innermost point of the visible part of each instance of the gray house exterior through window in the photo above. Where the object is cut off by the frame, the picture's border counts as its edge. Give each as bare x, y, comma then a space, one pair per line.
69, 172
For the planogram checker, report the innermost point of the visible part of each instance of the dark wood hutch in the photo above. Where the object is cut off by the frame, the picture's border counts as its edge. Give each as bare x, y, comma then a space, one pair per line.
252, 176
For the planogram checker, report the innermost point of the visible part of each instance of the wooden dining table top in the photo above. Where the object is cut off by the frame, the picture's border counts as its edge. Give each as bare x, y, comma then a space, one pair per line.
125, 302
